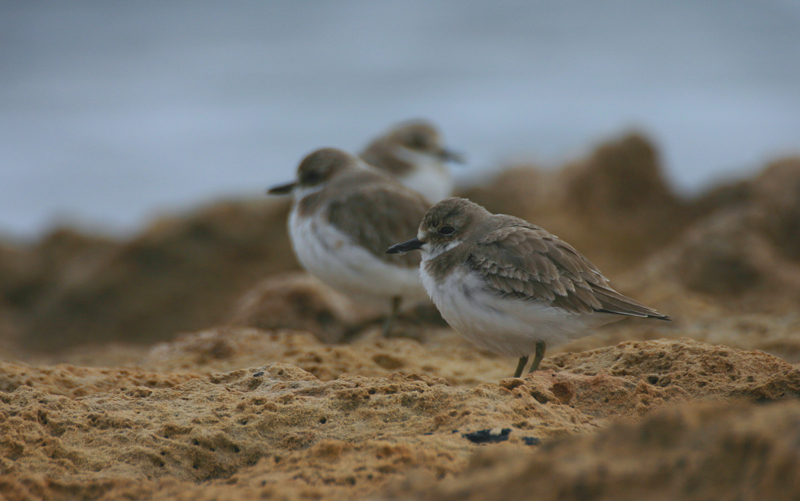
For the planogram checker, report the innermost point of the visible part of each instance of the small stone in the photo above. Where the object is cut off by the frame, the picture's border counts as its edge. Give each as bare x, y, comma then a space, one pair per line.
491, 436
532, 441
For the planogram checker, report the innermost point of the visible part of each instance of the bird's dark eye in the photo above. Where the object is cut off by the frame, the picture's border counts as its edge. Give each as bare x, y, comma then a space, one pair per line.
312, 177
416, 141
447, 230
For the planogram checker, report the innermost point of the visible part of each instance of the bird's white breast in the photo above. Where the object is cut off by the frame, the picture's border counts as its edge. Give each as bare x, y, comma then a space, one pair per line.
430, 176
506, 326
333, 257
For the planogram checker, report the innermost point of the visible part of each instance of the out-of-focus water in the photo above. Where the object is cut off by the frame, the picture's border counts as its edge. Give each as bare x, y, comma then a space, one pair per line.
110, 111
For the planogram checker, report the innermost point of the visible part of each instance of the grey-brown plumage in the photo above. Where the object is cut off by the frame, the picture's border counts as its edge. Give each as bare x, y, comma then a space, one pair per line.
414, 153
416, 135
372, 209
375, 213
522, 260
344, 216
509, 285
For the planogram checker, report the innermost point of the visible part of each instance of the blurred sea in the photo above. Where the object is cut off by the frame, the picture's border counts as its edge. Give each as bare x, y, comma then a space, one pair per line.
112, 111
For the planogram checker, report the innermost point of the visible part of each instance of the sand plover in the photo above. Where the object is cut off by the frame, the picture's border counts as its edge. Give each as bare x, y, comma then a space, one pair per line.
508, 285
414, 153
344, 216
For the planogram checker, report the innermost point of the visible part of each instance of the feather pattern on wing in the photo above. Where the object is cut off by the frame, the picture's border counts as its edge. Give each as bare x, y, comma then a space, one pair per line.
523, 261
381, 154
377, 216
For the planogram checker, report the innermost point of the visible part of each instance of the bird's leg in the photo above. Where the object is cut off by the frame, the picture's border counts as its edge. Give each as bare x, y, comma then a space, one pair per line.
521, 365
387, 327
540, 347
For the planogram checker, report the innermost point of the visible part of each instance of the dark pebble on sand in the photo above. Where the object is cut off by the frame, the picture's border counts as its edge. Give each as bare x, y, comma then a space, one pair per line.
532, 441
488, 436
258, 374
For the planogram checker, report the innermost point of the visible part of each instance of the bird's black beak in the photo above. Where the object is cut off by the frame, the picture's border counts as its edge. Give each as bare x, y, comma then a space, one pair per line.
282, 189
411, 245
451, 156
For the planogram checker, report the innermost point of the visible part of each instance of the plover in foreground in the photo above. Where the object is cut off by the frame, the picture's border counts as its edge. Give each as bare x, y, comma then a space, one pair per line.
414, 153
508, 285
344, 216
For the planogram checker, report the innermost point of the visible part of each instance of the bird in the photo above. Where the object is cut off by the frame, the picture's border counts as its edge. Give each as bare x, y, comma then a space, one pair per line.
510, 286
414, 153
344, 215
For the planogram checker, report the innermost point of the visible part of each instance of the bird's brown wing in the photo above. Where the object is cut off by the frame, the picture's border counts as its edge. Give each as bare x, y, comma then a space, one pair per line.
377, 216
524, 261
379, 154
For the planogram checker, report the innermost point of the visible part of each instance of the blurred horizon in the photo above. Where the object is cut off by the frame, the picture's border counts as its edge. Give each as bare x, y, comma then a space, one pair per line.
111, 113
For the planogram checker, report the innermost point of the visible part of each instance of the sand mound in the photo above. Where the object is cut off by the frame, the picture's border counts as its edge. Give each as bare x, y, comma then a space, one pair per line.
444, 354
743, 257
180, 274
777, 192
700, 452
279, 429
613, 206
298, 301
621, 182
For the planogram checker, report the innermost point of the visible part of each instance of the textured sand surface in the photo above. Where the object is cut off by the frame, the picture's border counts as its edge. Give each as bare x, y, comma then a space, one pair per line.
195, 361
279, 429
697, 452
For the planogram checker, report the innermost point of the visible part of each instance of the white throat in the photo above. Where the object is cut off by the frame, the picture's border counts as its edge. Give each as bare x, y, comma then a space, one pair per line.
301, 192
415, 157
429, 252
